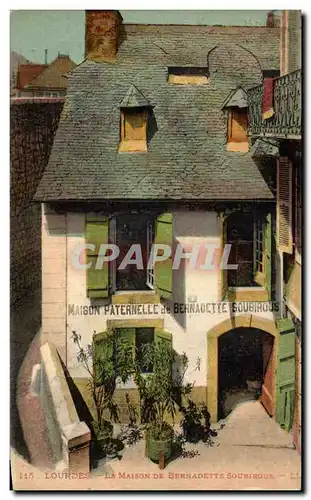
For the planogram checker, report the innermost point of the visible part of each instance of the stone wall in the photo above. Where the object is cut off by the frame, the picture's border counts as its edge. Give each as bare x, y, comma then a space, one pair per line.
290, 41
294, 40
33, 126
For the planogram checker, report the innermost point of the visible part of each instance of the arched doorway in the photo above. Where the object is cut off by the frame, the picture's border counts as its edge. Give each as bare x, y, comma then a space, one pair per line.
245, 369
243, 321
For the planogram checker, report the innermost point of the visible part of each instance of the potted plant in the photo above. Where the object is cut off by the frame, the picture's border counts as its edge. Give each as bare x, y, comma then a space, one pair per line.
103, 374
195, 423
191, 422
103, 432
161, 394
156, 392
159, 440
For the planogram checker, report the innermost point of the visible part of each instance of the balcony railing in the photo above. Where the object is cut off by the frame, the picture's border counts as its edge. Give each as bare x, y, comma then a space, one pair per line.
286, 121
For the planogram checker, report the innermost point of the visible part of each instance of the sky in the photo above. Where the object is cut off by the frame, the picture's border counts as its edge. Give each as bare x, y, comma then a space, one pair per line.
61, 30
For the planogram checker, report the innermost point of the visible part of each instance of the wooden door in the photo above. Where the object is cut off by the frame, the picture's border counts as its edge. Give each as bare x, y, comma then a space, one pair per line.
267, 390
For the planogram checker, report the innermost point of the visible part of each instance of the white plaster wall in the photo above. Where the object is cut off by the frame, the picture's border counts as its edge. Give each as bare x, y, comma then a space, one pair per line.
202, 286
54, 279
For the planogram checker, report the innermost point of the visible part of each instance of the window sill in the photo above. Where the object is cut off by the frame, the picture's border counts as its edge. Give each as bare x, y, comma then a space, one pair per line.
133, 147
238, 147
135, 297
248, 294
135, 323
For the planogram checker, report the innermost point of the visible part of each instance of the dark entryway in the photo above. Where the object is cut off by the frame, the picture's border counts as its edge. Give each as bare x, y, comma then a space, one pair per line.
244, 369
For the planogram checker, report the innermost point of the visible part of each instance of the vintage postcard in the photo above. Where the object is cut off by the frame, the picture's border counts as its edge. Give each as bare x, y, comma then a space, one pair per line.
156, 250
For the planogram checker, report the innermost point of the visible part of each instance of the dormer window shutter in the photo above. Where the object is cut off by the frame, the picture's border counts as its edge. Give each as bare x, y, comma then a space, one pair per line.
284, 206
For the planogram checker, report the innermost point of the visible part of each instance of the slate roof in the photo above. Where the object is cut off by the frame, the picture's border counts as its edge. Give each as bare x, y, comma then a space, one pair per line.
237, 98
134, 99
187, 156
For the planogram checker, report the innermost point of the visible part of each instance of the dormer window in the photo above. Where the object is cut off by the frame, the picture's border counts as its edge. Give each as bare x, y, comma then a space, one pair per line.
187, 75
237, 121
133, 130
237, 130
134, 122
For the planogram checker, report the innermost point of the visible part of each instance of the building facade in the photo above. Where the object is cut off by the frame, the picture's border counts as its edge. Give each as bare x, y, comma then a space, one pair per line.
153, 148
284, 130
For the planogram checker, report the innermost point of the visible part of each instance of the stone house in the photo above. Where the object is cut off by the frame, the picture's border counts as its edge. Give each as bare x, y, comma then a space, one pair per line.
153, 147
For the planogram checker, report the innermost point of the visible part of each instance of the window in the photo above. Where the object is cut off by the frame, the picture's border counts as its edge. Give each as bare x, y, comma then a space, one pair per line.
134, 229
138, 338
134, 233
270, 73
237, 130
50, 94
187, 76
133, 130
246, 234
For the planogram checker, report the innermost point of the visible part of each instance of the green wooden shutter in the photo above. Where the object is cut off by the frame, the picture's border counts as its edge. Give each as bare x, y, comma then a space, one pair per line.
284, 181
224, 272
163, 270
128, 334
103, 356
161, 335
96, 232
268, 254
286, 373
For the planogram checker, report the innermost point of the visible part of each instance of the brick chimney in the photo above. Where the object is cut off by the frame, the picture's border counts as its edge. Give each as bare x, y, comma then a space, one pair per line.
102, 34
270, 20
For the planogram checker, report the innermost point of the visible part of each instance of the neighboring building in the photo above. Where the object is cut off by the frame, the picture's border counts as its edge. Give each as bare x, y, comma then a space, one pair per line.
153, 147
284, 130
15, 60
44, 80
33, 126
